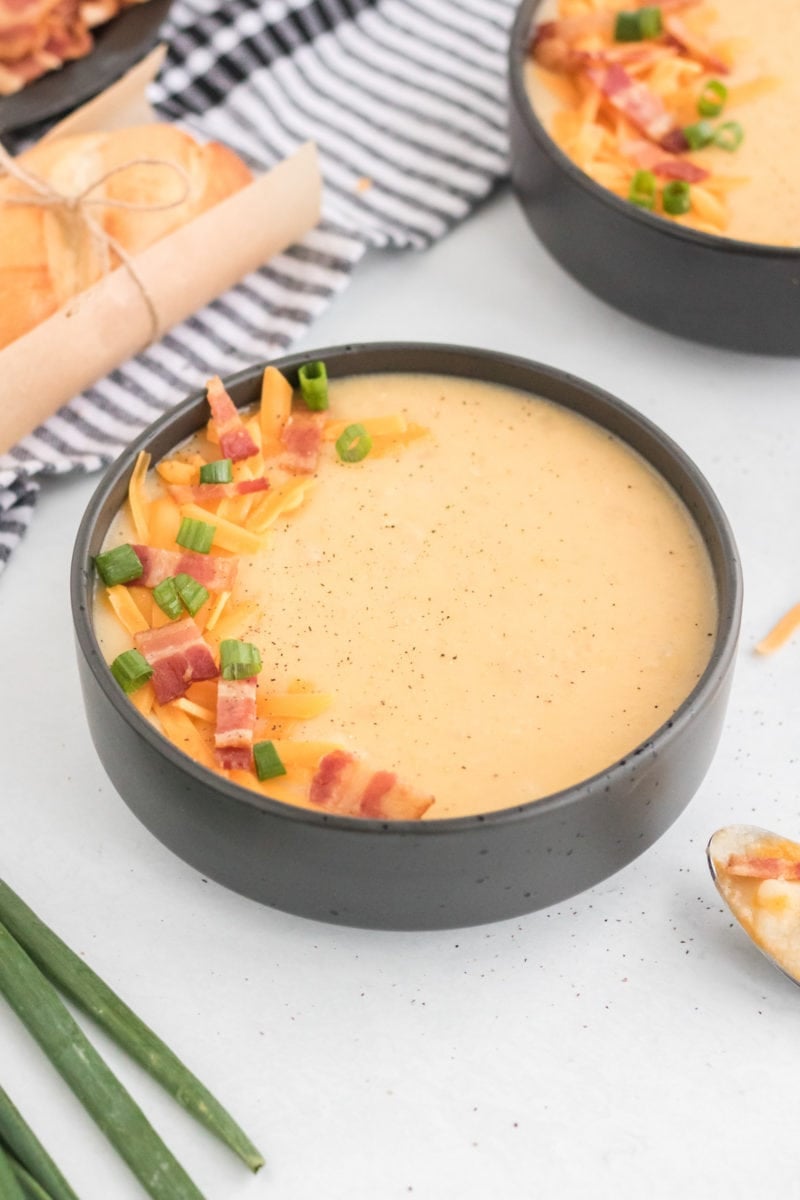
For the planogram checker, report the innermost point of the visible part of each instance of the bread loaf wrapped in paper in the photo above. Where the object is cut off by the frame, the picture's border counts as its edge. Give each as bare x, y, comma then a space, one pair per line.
103, 196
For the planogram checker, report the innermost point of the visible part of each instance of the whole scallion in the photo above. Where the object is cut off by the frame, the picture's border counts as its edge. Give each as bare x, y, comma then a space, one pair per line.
23, 1144
81, 985
38, 1005
10, 1187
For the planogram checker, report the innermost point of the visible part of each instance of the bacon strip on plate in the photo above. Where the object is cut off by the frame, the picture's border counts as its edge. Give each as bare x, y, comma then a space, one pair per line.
234, 438
216, 573
762, 868
202, 493
236, 719
301, 438
178, 655
343, 784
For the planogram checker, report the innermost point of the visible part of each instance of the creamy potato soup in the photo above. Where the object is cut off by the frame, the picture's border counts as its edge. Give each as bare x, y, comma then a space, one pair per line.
497, 608
618, 108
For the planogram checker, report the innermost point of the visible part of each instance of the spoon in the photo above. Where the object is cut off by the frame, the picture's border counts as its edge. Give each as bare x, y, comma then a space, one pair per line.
757, 873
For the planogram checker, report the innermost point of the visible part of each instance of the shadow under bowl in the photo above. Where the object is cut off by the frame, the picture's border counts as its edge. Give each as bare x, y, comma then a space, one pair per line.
412, 874
725, 292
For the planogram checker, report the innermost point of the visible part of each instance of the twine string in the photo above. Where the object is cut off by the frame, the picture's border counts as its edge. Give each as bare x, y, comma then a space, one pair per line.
42, 194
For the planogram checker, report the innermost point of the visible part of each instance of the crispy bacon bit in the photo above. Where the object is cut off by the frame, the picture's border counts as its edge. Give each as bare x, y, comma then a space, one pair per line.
236, 719
301, 437
234, 439
203, 493
634, 99
214, 572
691, 42
680, 168
762, 868
342, 784
675, 141
178, 655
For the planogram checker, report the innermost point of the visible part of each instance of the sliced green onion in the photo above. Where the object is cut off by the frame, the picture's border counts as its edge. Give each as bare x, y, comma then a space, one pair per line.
67, 971
193, 595
313, 379
166, 597
729, 136
639, 24
219, 471
238, 660
29, 1154
40, 1008
131, 670
196, 535
711, 100
353, 444
267, 761
10, 1188
119, 565
650, 21
676, 197
699, 135
643, 189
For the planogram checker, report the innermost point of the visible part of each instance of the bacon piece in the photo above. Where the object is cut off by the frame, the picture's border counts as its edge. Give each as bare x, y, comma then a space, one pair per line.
236, 720
301, 438
694, 45
342, 784
234, 439
680, 168
178, 655
553, 43
754, 867
202, 493
216, 573
649, 157
634, 99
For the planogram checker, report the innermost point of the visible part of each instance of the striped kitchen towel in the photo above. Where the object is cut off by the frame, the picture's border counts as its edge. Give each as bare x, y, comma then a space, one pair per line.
406, 100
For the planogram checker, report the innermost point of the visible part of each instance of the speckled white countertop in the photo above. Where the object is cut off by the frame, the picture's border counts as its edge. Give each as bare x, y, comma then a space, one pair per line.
628, 1043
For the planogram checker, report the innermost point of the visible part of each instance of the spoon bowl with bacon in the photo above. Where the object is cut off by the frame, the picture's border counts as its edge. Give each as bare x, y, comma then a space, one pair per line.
757, 873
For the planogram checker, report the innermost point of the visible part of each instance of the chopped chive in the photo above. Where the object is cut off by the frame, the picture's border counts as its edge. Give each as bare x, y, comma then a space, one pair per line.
131, 670
676, 197
193, 595
313, 379
238, 660
711, 100
120, 565
28, 1154
699, 135
196, 535
637, 25
650, 21
80, 984
643, 189
38, 1005
353, 444
166, 597
267, 761
729, 136
219, 471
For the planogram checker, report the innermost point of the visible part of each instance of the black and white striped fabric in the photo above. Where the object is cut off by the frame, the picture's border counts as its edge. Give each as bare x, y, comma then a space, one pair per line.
406, 100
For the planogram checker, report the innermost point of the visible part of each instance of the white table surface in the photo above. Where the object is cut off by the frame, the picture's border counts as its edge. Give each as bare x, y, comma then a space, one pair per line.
628, 1043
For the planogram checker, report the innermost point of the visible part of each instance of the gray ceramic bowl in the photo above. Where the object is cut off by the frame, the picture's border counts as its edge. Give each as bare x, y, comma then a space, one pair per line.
434, 873
735, 294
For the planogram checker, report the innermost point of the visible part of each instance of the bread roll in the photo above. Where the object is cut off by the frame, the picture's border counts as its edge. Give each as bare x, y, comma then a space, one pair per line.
48, 254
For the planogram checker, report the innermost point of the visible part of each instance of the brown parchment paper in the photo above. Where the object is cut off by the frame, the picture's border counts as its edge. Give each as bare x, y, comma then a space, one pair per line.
110, 322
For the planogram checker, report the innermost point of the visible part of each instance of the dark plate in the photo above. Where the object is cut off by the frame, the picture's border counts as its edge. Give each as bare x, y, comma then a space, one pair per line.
119, 45
411, 874
730, 293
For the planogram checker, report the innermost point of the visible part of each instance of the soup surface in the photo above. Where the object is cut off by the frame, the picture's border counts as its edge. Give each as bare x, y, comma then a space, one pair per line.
500, 609
753, 192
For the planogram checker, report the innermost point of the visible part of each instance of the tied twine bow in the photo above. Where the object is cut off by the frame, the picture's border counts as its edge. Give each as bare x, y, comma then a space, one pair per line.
43, 195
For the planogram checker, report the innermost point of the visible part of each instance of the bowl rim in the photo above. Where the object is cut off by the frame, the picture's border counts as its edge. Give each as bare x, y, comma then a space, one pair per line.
720, 243
82, 582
